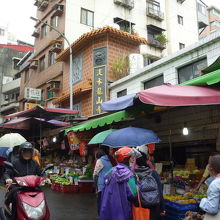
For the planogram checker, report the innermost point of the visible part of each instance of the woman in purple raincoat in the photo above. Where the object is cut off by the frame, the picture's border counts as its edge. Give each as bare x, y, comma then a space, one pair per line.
119, 189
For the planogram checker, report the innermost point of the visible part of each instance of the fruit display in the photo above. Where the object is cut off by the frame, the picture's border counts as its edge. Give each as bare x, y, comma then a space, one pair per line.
180, 199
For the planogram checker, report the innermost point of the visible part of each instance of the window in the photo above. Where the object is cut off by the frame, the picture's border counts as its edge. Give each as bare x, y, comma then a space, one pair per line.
154, 5
180, 19
2, 32
148, 61
42, 63
191, 71
52, 56
122, 93
50, 95
54, 21
87, 17
44, 30
181, 46
26, 76
42, 96
77, 69
202, 9
78, 107
125, 25
154, 82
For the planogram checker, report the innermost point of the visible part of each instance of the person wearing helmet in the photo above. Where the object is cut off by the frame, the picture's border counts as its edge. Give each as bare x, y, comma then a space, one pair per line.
25, 165
119, 188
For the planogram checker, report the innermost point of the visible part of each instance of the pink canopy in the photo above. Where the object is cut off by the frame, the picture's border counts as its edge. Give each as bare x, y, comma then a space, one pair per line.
166, 95
178, 95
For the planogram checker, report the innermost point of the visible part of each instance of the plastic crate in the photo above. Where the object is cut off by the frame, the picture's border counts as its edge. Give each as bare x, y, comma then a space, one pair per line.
74, 188
178, 206
86, 187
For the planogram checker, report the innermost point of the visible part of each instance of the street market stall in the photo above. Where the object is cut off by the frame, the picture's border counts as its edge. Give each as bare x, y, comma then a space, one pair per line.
178, 179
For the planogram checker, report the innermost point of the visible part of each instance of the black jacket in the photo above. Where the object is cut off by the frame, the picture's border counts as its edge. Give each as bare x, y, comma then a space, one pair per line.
24, 168
155, 211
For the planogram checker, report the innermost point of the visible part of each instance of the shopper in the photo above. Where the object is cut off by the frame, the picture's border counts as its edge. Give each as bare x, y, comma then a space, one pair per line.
119, 189
150, 179
211, 204
206, 178
103, 164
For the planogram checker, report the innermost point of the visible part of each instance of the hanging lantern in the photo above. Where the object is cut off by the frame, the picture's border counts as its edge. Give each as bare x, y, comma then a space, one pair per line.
83, 149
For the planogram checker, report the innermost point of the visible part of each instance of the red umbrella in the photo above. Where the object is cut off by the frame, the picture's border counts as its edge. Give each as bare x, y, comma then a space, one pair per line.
43, 112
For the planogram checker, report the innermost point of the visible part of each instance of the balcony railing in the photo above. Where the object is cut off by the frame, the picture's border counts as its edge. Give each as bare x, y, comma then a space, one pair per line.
125, 3
155, 43
158, 15
43, 5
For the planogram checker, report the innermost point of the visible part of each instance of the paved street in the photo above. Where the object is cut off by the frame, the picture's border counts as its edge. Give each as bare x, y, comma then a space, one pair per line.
68, 206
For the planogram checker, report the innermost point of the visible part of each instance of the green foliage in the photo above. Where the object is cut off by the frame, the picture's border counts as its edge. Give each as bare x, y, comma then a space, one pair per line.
162, 39
120, 67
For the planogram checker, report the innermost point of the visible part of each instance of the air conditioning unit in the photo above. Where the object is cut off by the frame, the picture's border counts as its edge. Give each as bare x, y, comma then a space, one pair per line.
55, 86
125, 3
36, 33
58, 10
6, 97
56, 48
34, 64
43, 5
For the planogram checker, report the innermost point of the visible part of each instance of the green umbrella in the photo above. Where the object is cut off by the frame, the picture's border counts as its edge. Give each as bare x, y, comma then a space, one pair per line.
100, 137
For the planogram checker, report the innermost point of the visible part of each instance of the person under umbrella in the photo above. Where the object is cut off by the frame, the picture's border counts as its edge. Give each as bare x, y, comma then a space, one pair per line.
103, 164
119, 188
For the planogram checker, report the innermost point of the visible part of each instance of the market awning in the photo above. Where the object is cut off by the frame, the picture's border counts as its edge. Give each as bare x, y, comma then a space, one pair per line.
168, 95
119, 103
107, 120
213, 67
207, 79
42, 112
27, 123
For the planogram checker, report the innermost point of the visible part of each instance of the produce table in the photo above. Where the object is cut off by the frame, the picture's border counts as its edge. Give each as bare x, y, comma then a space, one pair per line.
176, 211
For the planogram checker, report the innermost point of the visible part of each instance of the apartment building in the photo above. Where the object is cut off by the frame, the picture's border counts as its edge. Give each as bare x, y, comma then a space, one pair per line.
213, 20
157, 21
10, 55
177, 68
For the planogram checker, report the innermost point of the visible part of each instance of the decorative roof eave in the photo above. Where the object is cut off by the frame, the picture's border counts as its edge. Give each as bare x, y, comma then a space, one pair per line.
75, 92
100, 31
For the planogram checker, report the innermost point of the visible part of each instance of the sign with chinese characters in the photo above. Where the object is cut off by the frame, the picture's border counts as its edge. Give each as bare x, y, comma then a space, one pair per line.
28, 106
73, 141
31, 93
99, 88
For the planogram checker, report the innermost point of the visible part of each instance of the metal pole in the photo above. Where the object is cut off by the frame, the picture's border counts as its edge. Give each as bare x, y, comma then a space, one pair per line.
71, 58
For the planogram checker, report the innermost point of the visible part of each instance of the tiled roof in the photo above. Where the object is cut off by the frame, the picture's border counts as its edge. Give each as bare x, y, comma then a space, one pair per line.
21, 48
100, 31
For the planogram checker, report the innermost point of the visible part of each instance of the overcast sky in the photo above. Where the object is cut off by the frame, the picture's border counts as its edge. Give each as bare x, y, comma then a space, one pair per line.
16, 15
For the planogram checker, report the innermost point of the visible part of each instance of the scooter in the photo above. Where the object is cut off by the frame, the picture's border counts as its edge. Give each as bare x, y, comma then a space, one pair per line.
31, 203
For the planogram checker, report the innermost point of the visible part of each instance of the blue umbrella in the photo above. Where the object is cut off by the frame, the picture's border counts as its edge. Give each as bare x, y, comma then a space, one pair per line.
130, 136
3, 151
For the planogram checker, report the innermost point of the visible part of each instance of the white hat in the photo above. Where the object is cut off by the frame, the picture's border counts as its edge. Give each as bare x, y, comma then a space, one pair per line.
143, 149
